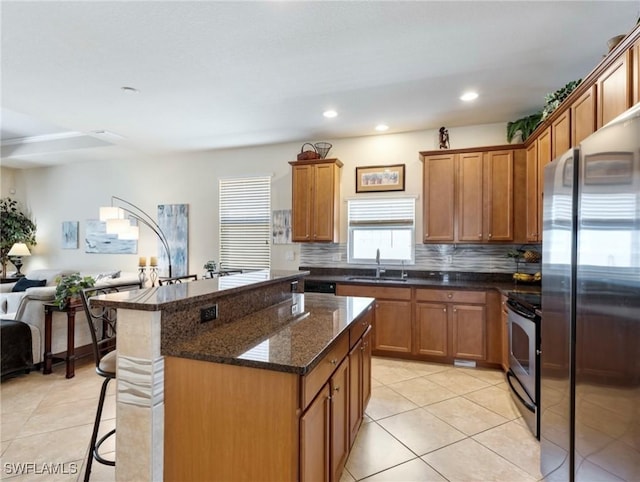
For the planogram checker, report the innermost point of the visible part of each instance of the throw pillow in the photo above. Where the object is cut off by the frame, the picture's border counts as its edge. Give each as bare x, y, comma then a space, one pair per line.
23, 283
107, 275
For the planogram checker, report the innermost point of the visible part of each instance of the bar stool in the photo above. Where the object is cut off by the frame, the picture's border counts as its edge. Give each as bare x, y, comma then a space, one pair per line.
102, 326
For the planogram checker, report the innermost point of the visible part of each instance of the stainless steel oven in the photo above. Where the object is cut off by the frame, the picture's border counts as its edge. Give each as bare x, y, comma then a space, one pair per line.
524, 360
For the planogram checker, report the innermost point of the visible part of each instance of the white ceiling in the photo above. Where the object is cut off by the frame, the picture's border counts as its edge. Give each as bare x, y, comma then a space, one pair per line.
227, 74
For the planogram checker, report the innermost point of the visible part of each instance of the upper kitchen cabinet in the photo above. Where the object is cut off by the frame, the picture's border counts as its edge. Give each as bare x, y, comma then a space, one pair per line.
583, 116
315, 212
468, 195
439, 198
636, 72
561, 134
532, 192
614, 89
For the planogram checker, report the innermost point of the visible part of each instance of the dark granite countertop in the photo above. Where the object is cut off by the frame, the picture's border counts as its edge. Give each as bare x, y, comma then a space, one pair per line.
174, 296
425, 279
291, 336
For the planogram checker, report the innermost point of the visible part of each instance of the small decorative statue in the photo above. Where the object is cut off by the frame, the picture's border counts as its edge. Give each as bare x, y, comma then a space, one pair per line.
444, 138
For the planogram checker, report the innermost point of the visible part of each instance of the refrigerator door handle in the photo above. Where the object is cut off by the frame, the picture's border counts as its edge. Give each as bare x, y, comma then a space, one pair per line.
526, 403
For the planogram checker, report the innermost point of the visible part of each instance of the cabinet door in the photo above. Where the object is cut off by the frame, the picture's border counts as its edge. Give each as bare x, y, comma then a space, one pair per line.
636, 72
366, 368
339, 385
393, 326
356, 356
314, 439
469, 331
614, 89
470, 203
532, 192
324, 202
301, 212
561, 134
431, 322
439, 198
544, 158
499, 196
583, 116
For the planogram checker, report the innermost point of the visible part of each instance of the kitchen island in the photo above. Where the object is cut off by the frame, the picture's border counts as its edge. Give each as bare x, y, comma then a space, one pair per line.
275, 393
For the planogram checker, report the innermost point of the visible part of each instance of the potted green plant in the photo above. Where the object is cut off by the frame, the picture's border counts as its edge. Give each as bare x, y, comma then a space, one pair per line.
15, 227
553, 100
210, 266
68, 288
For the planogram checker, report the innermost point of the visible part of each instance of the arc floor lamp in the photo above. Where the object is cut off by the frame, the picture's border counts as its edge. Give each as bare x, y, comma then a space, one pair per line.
118, 219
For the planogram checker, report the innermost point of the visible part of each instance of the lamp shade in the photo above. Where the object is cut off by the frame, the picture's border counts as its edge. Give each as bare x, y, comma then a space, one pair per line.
19, 249
117, 226
111, 212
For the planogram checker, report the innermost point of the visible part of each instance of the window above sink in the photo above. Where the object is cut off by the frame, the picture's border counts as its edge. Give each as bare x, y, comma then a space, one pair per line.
383, 223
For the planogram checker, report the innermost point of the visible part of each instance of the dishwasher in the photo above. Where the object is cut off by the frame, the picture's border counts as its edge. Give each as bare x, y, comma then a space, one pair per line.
317, 286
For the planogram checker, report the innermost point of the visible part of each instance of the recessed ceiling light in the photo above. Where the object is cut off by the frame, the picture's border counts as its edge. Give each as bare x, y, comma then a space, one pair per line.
382, 127
467, 96
129, 90
330, 114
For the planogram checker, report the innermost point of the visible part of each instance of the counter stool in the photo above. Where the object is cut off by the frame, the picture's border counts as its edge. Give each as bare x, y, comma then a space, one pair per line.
102, 326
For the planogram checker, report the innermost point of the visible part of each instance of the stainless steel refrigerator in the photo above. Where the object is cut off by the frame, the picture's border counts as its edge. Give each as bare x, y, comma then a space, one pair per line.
590, 331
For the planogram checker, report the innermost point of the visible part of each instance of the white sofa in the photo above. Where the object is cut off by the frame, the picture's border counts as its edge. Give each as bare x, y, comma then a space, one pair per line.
28, 306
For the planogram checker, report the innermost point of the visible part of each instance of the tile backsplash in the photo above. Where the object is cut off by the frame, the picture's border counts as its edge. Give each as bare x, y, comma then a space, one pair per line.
485, 258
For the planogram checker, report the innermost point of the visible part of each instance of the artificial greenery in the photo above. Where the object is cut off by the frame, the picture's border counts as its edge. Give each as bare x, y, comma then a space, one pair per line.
528, 124
70, 286
553, 100
15, 227
525, 126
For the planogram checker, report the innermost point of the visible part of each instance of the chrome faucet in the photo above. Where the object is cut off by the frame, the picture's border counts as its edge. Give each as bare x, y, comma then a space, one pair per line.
379, 270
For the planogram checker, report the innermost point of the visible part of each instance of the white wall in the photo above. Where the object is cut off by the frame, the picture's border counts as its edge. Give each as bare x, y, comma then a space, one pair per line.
74, 192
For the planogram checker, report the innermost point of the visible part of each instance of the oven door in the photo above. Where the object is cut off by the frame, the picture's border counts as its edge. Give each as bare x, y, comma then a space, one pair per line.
522, 347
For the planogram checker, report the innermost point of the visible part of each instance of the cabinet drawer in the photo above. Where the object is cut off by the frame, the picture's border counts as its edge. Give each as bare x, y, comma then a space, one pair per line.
379, 292
454, 296
316, 378
359, 326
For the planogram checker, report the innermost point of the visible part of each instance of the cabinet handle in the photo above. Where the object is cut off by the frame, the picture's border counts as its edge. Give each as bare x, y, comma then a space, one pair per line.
362, 347
450, 295
444, 309
337, 389
334, 362
480, 235
455, 310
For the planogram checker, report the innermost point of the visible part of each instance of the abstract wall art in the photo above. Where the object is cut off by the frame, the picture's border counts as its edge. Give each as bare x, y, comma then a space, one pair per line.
173, 220
70, 234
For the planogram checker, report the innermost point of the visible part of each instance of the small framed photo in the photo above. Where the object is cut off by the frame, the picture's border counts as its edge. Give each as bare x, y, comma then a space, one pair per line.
380, 178
69, 234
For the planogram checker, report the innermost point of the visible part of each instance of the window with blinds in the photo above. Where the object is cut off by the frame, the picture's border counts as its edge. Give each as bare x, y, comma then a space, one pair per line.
386, 225
245, 223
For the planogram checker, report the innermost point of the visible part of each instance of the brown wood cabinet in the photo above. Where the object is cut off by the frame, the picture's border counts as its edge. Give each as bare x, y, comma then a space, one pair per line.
583, 116
339, 416
614, 89
561, 134
314, 439
468, 196
532, 193
392, 319
359, 378
451, 324
315, 212
439, 198
636, 72
544, 158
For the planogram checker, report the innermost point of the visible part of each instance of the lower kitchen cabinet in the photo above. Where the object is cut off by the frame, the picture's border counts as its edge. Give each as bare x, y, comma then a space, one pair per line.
359, 383
393, 317
451, 324
504, 328
314, 438
339, 416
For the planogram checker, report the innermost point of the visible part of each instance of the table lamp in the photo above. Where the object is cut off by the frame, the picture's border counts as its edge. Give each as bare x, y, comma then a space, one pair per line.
17, 251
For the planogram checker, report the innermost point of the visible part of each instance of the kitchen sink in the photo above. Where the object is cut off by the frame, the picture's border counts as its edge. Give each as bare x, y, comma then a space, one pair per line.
377, 280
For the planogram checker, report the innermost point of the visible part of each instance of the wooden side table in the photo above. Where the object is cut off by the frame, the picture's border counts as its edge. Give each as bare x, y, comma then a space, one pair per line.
70, 310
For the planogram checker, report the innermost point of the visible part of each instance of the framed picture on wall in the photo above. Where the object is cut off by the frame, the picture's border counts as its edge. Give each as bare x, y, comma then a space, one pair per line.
380, 178
69, 234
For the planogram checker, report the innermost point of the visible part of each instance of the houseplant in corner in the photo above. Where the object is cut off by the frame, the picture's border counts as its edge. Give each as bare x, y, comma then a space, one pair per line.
525, 125
68, 288
15, 227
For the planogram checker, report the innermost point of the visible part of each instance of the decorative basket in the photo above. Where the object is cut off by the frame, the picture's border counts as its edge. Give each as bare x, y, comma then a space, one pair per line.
323, 149
307, 155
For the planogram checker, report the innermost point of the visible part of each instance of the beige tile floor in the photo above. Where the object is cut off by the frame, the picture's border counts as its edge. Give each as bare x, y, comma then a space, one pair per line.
425, 422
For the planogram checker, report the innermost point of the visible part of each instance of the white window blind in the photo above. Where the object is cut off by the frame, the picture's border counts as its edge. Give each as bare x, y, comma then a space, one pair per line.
245, 223
384, 225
